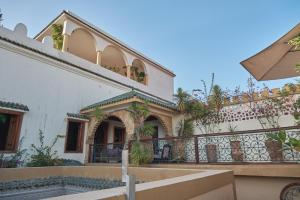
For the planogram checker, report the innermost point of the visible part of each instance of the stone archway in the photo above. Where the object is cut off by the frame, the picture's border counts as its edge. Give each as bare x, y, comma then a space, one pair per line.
122, 115
165, 121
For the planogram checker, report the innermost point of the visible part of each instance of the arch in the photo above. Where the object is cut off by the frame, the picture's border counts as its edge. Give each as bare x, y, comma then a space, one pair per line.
82, 44
162, 121
113, 59
123, 116
138, 71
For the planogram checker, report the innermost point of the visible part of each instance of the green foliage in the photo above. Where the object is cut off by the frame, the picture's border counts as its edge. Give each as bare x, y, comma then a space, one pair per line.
99, 114
140, 154
140, 76
147, 130
185, 128
15, 160
139, 111
287, 141
182, 99
295, 42
57, 35
43, 155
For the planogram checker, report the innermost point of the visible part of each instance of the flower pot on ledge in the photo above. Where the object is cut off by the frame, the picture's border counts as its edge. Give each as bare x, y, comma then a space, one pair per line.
211, 152
274, 148
236, 151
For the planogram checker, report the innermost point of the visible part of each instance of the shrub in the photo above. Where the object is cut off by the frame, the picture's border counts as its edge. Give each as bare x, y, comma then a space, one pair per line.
43, 154
140, 154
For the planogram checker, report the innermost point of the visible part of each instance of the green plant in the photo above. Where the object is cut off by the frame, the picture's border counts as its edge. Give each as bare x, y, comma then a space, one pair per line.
43, 155
185, 128
99, 114
288, 142
232, 129
57, 36
140, 76
182, 99
206, 110
15, 160
138, 112
140, 154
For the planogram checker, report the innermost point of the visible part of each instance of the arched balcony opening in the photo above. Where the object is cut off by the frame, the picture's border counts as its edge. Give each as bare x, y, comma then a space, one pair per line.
138, 72
82, 44
113, 59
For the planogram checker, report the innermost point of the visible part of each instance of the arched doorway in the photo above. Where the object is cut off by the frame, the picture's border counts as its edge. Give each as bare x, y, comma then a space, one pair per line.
109, 140
159, 132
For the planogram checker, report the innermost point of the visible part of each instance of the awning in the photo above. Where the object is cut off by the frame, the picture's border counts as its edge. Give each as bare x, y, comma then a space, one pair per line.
277, 61
132, 96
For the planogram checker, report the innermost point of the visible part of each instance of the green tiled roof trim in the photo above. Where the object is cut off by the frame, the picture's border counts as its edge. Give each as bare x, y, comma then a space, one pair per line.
11, 105
131, 94
79, 116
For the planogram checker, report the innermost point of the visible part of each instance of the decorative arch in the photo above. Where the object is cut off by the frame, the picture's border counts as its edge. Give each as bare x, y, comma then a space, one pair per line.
165, 122
113, 59
138, 71
122, 115
82, 44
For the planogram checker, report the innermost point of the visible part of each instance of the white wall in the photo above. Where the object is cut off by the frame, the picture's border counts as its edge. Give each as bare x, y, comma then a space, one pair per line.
51, 89
50, 93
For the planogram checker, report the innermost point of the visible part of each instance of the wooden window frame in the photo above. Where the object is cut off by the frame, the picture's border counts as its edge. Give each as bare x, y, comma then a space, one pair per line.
123, 134
80, 137
17, 128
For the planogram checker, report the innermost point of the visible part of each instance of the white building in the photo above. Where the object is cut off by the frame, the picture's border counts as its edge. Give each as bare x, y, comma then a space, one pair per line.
43, 88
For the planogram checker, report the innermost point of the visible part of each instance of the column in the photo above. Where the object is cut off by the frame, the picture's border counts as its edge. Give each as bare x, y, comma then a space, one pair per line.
128, 71
65, 46
99, 56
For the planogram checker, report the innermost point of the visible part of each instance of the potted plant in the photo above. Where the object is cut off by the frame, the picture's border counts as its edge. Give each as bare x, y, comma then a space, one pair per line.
211, 151
274, 145
235, 145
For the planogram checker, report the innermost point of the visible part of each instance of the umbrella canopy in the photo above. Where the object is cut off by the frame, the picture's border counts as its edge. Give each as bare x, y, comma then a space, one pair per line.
276, 61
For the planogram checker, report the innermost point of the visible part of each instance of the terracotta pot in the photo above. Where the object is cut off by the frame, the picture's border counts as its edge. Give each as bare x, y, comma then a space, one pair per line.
274, 148
236, 151
211, 152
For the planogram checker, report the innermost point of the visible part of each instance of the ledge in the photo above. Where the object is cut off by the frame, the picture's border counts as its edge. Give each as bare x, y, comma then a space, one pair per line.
263, 170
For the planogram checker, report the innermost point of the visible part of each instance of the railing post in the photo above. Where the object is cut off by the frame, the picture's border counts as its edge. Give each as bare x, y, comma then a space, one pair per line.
196, 149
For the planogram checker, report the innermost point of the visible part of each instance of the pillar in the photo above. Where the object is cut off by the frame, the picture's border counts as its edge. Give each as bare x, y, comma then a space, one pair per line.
128, 67
65, 46
99, 56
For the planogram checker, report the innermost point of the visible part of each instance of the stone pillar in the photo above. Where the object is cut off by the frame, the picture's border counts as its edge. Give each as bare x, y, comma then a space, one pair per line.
99, 56
65, 47
128, 71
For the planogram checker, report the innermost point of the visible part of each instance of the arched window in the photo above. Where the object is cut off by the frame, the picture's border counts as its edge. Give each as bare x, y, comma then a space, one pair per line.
82, 44
138, 72
113, 59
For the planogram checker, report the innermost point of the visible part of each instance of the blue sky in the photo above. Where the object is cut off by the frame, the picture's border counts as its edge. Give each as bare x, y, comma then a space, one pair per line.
193, 38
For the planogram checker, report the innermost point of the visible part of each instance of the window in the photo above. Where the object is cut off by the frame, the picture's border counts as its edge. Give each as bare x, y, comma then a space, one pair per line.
119, 134
10, 126
74, 140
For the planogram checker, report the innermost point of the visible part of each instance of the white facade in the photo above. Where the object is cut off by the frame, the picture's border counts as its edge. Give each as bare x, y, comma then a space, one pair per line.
37, 75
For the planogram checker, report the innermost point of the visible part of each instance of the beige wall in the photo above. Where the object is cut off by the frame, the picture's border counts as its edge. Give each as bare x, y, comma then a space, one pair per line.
160, 184
208, 184
222, 193
258, 188
109, 172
